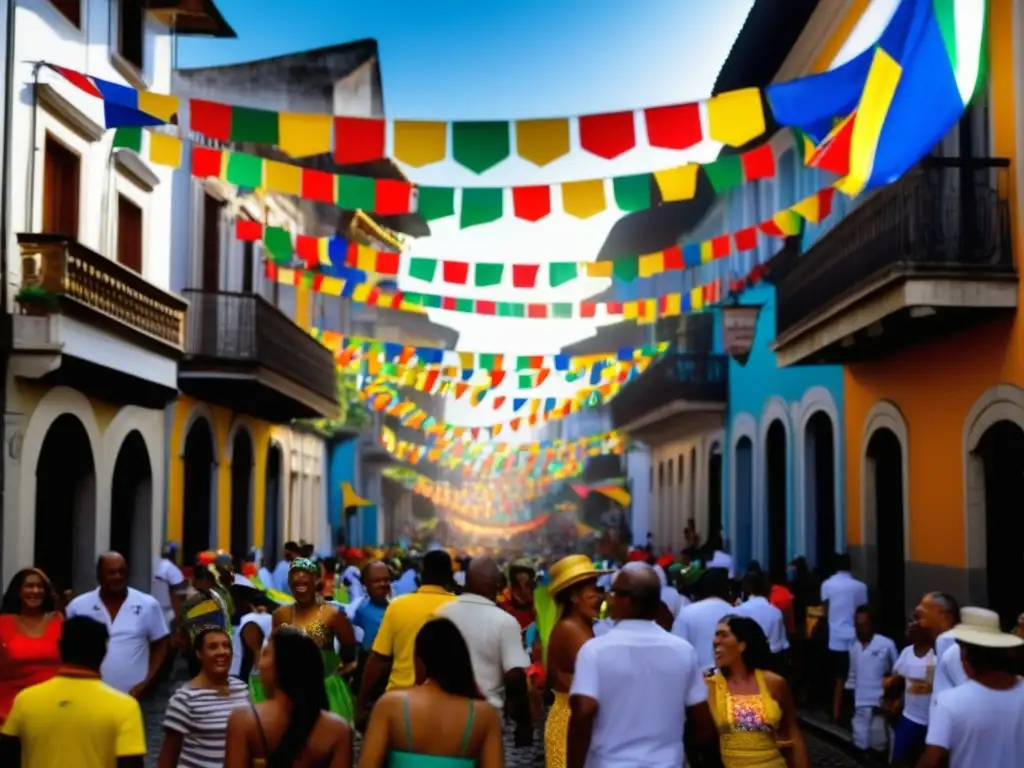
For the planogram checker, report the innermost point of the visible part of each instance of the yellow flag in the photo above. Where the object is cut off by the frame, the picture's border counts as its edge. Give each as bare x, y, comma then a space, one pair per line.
736, 117
598, 268
630, 310
652, 264
673, 307
419, 143
583, 199
542, 141
159, 105
283, 178
302, 135
165, 150
677, 183
650, 314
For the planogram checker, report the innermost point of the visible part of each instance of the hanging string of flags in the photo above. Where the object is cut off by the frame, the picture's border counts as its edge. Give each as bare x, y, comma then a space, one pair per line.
734, 119
361, 348
474, 205
284, 249
497, 531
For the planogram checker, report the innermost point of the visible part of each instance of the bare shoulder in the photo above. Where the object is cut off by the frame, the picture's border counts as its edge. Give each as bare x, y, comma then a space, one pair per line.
777, 684
240, 717
485, 714
332, 724
390, 702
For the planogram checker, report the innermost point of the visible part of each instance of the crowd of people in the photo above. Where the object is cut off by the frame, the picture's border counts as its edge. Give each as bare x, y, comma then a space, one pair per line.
403, 659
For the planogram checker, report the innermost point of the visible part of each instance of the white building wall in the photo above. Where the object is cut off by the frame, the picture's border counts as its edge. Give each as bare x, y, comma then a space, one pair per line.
674, 502
42, 32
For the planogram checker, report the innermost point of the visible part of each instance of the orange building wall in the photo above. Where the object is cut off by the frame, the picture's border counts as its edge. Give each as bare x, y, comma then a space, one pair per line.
935, 385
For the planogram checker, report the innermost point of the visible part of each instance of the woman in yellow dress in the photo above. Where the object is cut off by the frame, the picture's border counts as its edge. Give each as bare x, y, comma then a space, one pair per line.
573, 585
752, 707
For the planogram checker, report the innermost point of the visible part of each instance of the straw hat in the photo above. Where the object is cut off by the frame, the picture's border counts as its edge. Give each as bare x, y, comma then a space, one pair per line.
571, 570
980, 626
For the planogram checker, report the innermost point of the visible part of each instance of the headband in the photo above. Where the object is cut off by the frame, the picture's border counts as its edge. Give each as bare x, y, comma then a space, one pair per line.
304, 564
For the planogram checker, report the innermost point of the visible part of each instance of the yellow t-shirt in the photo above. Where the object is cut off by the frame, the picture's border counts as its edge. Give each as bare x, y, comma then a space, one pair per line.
396, 637
75, 721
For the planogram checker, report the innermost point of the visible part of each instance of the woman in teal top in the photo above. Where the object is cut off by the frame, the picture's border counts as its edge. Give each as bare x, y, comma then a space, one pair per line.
443, 722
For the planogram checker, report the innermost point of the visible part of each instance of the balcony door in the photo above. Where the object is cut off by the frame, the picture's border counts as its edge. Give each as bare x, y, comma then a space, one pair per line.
62, 170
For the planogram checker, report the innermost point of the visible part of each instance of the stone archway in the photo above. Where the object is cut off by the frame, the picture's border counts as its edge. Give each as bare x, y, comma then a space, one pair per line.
273, 524
993, 484
742, 488
65, 506
819, 493
884, 512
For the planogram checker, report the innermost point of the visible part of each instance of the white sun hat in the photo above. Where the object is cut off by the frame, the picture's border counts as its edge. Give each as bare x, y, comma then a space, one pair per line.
980, 626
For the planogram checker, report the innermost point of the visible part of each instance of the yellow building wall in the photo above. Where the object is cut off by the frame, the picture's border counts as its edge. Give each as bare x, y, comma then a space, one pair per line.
222, 421
935, 385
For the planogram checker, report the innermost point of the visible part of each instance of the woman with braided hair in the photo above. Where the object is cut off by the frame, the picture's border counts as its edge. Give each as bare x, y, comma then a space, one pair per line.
324, 624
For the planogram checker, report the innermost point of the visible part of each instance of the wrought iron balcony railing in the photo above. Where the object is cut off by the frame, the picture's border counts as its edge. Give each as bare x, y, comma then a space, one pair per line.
244, 328
946, 217
696, 377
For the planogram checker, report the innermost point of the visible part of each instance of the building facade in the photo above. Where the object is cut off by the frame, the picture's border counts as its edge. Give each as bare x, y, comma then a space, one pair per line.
922, 312
96, 333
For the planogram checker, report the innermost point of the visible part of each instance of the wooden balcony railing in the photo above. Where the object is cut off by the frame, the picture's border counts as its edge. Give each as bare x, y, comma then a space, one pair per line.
698, 377
948, 216
245, 328
59, 269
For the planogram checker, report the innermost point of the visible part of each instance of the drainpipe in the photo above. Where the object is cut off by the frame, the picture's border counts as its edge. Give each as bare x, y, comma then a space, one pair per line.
31, 191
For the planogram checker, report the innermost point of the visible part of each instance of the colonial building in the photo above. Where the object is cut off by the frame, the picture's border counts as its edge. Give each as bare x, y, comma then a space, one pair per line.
241, 475
97, 334
916, 294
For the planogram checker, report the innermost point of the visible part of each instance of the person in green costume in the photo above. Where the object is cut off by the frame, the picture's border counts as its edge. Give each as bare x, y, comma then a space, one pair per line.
325, 624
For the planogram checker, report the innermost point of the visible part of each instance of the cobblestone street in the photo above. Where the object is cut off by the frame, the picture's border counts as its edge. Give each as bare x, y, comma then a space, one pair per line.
823, 754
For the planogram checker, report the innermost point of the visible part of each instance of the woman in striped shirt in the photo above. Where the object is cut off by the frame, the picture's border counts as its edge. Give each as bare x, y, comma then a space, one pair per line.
196, 721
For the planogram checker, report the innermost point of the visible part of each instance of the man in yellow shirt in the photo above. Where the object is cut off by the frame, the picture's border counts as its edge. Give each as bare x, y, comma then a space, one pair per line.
75, 719
392, 654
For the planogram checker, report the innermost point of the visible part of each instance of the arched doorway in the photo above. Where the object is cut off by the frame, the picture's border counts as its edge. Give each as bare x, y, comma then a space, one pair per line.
691, 509
1001, 450
198, 496
65, 514
775, 484
744, 512
820, 479
131, 509
272, 523
715, 491
241, 494
885, 468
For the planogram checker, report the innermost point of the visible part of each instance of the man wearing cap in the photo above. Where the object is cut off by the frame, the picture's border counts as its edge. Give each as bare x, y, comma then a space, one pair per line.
980, 723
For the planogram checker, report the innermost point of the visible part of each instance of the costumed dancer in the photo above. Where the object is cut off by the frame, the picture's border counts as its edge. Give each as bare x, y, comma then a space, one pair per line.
573, 585
325, 624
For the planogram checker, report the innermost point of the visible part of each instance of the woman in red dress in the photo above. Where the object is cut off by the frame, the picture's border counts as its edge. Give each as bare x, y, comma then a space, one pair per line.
30, 628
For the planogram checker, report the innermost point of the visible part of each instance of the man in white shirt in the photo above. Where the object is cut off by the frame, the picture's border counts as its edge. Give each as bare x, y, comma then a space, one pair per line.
697, 622
941, 612
169, 584
979, 723
872, 658
135, 621
841, 595
719, 557
495, 644
635, 688
770, 618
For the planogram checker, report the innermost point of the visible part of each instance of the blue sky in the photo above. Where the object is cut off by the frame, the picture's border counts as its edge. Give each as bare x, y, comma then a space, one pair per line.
473, 59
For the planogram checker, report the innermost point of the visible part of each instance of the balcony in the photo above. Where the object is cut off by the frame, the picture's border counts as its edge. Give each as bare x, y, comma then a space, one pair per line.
926, 256
88, 322
244, 353
682, 392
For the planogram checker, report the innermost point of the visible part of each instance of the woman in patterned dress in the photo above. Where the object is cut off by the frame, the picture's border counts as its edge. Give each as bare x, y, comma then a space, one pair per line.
324, 623
752, 707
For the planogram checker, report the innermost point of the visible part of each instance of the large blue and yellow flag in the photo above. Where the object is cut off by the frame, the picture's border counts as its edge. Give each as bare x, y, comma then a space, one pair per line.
897, 99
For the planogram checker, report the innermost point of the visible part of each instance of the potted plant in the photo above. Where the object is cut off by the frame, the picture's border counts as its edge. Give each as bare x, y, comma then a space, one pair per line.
36, 300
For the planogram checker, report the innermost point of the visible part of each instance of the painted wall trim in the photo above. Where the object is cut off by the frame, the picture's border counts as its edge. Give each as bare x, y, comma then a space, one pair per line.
1004, 402
884, 415
818, 400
